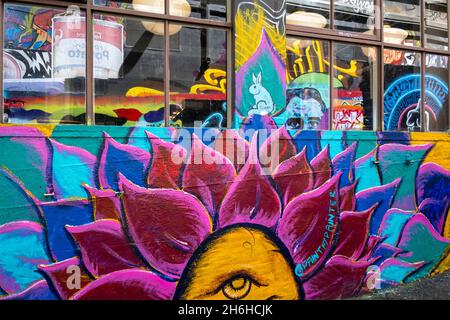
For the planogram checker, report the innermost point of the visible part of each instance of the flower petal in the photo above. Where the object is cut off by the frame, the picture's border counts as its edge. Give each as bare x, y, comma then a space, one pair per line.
59, 214
294, 177
309, 225
433, 182
67, 277
104, 247
251, 198
383, 195
32, 148
392, 225
354, 233
395, 271
166, 225
347, 197
233, 146
22, 250
106, 203
399, 161
366, 172
345, 162
72, 167
128, 285
421, 242
131, 161
24, 207
340, 278
322, 168
277, 148
164, 171
38, 291
208, 175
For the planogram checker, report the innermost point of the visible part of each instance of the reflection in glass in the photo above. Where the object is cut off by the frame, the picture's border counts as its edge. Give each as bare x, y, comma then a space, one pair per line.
308, 90
198, 78
44, 65
436, 85
402, 91
402, 22
355, 98
436, 24
205, 9
308, 13
355, 16
129, 73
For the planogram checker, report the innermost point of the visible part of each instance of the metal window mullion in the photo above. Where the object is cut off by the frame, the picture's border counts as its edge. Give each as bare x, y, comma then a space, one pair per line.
166, 66
331, 72
90, 81
422, 65
231, 94
380, 124
331, 14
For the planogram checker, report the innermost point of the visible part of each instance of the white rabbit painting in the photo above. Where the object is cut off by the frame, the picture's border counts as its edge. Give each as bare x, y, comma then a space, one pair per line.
263, 99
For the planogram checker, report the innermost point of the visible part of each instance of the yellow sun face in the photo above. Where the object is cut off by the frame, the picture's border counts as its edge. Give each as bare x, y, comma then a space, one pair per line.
241, 263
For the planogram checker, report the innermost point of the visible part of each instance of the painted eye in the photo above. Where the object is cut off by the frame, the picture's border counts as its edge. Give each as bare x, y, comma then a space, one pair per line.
237, 288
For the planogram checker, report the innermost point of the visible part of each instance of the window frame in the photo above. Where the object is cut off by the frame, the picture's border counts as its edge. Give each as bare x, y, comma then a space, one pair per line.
377, 41
90, 9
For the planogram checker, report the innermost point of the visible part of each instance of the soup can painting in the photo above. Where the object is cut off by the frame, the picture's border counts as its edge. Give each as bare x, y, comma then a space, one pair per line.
69, 48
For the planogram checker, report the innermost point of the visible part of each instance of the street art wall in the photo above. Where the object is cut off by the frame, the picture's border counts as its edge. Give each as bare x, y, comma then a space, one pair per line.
116, 213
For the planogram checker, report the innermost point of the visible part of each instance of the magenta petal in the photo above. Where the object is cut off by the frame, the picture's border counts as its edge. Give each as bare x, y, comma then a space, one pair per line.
164, 171
233, 146
128, 285
64, 276
348, 198
208, 175
106, 203
321, 166
104, 247
166, 225
372, 243
294, 177
277, 148
354, 233
309, 225
340, 278
251, 198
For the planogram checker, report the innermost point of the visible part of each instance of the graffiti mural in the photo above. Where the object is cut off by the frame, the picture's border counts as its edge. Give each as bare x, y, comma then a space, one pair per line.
260, 60
209, 214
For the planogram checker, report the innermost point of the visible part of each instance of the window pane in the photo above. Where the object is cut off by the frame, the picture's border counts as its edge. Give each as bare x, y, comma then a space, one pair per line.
402, 22
355, 16
402, 91
129, 72
154, 6
436, 84
355, 98
308, 13
308, 90
198, 81
205, 9
436, 24
202, 9
44, 65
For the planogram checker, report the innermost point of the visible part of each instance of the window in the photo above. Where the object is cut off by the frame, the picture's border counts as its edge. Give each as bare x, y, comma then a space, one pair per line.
355, 96
139, 64
341, 95
403, 93
44, 65
385, 61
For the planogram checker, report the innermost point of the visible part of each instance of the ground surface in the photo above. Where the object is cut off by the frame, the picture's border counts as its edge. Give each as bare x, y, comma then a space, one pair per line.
435, 288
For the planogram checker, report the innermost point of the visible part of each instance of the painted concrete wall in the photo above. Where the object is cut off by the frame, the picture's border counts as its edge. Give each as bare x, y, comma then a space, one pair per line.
254, 212
102, 212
